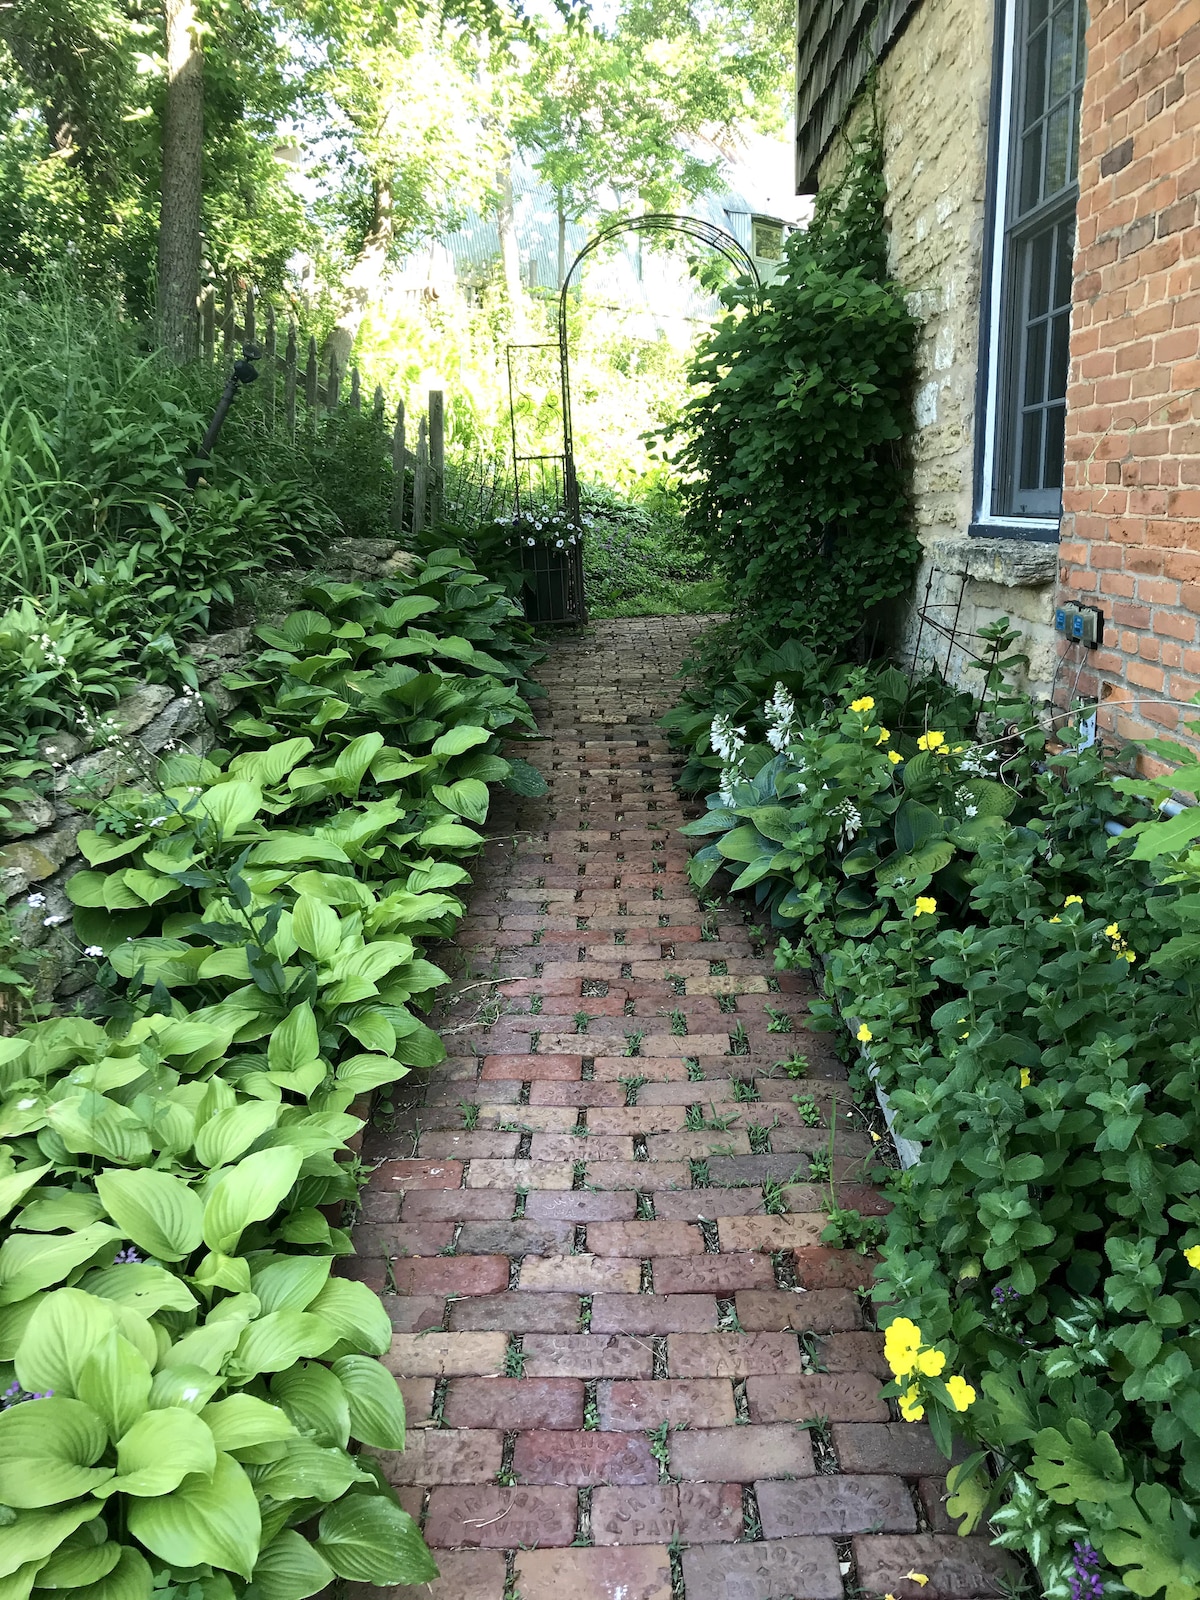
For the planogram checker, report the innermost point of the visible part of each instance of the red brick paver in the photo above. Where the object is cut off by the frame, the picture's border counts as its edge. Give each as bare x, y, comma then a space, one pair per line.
632, 1368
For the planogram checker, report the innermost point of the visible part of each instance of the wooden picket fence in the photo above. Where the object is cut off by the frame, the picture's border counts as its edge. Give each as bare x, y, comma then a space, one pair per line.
291, 396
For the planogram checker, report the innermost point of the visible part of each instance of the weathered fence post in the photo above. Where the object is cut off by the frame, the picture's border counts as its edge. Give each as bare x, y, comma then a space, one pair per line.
355, 391
378, 407
398, 467
208, 322
437, 454
310, 382
268, 394
289, 382
420, 480
333, 384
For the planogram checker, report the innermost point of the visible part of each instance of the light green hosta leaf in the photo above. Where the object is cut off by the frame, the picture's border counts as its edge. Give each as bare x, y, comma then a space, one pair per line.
79, 1561
142, 1286
449, 835
17, 1185
361, 1073
62, 1332
229, 1134
130, 1579
294, 1041
456, 741
356, 1314
325, 1130
223, 1272
431, 874
214, 1521
743, 844
115, 1380
376, 1404
35, 1535
248, 1192
277, 1340
290, 1568
375, 960
351, 765
368, 1539
99, 848
230, 806
160, 1450
265, 767
47, 1448
91, 1124
333, 889
242, 1421
524, 779
305, 1226
307, 1471
207, 1347
421, 1048
466, 798
161, 1214
317, 928
315, 1400
184, 1385
29, 1262
289, 1283
372, 1028
13, 1322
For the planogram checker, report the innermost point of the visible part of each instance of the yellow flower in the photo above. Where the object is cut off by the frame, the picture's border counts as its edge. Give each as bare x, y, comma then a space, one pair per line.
1073, 900
895, 757
1192, 1257
930, 1362
864, 1034
900, 1345
961, 1392
1112, 931
865, 704
884, 735
875, 1137
925, 907
1055, 919
911, 1408
918, 1577
1026, 1080
933, 740
1130, 957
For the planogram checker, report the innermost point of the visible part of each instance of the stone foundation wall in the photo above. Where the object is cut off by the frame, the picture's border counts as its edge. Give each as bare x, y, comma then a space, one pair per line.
35, 870
933, 95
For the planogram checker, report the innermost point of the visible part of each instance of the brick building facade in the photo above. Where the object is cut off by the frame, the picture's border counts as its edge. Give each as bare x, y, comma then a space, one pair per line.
1043, 162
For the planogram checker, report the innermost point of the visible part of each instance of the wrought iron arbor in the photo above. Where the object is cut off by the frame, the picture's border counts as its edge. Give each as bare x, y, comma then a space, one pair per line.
553, 577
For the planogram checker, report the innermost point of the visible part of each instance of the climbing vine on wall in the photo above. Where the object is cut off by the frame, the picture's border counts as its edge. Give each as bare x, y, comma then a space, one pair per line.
793, 445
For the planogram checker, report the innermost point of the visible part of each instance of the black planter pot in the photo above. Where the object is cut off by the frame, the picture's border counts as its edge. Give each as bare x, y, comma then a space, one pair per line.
552, 582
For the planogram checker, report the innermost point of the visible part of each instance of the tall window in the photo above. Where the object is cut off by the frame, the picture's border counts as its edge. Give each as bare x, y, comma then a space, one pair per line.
1036, 193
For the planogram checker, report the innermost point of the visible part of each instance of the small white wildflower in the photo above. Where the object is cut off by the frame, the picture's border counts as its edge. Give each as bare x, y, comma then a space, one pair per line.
35, 900
94, 950
52, 922
971, 811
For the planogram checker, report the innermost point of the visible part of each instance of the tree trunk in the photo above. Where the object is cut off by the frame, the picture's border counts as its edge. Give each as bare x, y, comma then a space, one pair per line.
510, 255
182, 185
562, 244
363, 282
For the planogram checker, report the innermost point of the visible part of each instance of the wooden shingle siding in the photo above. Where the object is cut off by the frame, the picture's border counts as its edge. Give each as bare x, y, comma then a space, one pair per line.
836, 43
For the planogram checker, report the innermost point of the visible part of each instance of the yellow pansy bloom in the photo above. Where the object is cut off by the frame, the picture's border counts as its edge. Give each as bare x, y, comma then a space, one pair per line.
1026, 1080
933, 740
1130, 957
1192, 1257
1055, 919
864, 704
925, 907
864, 1034
884, 735
961, 1392
901, 1342
895, 757
911, 1408
1073, 900
931, 1362
1112, 931
918, 1577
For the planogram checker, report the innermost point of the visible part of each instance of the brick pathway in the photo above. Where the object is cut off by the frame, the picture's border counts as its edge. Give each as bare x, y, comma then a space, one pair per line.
632, 1371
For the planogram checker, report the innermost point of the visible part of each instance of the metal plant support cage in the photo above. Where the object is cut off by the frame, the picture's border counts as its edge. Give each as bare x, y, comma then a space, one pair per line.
553, 576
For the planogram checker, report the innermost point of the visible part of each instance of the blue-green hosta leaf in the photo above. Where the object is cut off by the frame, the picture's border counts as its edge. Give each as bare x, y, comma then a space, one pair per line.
160, 1450
35, 1535
290, 1568
213, 1521
522, 778
420, 1048
315, 1401
243, 1421
29, 1262
162, 1215
130, 1579
376, 1404
367, 1538
248, 1192
47, 1451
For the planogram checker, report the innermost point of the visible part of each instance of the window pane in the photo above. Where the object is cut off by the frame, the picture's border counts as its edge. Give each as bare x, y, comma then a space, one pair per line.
1035, 78
1058, 136
1064, 250
1031, 454
1040, 249
1056, 386
1052, 459
1035, 365
1062, 51
1031, 170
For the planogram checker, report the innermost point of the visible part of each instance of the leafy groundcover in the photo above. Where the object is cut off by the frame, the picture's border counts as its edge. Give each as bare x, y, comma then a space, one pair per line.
1024, 980
183, 1371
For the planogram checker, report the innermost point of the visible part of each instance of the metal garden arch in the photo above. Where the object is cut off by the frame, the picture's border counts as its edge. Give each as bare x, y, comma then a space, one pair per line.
554, 579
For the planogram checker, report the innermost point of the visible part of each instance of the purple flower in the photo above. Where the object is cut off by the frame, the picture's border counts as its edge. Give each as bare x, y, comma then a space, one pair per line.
1002, 1294
126, 1258
1085, 1581
14, 1395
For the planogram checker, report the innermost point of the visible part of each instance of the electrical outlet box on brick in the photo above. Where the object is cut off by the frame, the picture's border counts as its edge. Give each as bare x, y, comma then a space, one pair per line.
1081, 624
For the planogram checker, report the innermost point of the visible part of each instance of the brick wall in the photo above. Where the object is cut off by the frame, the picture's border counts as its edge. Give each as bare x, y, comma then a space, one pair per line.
1131, 501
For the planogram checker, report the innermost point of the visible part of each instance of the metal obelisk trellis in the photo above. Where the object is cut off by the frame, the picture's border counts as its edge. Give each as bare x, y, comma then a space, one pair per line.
554, 588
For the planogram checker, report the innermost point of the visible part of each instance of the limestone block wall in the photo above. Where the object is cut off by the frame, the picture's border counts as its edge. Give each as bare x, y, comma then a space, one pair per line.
933, 94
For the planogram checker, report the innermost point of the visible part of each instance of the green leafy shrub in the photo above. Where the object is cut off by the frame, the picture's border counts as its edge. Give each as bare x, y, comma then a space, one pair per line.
1024, 988
791, 450
641, 561
183, 1370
